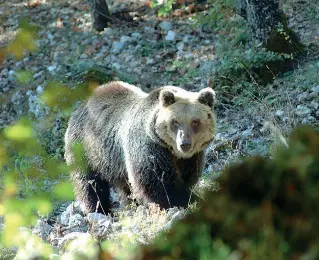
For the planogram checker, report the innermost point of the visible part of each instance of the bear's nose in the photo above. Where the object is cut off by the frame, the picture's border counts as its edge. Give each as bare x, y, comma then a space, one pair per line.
186, 146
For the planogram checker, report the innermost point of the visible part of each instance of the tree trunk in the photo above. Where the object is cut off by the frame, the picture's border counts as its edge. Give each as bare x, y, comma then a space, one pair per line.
268, 25
100, 14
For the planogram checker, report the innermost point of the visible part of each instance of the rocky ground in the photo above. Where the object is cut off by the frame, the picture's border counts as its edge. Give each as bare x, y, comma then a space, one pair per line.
149, 52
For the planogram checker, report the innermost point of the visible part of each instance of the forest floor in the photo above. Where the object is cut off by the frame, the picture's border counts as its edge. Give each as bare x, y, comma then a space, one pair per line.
150, 52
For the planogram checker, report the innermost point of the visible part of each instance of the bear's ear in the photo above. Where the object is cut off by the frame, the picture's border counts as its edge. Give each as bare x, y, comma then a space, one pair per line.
166, 98
207, 97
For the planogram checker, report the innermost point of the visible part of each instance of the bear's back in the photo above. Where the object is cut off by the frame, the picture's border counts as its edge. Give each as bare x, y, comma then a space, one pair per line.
117, 90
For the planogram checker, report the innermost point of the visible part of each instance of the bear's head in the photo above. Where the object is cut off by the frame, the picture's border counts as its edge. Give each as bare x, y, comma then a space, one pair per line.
185, 121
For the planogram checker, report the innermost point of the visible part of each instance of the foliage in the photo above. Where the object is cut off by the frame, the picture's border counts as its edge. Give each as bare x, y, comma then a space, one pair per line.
265, 209
164, 6
30, 177
240, 59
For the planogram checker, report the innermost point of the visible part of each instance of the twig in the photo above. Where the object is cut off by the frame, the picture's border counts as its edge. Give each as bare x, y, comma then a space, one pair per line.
221, 144
68, 228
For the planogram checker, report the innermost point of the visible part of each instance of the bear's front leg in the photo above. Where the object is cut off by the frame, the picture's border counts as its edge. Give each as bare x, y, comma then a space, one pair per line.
154, 178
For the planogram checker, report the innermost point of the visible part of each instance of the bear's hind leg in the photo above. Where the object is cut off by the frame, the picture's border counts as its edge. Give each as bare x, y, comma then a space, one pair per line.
93, 192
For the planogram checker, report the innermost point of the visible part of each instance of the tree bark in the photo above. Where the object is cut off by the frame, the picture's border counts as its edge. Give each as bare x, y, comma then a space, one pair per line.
268, 25
100, 14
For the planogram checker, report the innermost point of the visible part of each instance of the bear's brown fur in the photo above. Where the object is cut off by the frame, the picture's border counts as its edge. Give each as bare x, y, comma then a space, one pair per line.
152, 145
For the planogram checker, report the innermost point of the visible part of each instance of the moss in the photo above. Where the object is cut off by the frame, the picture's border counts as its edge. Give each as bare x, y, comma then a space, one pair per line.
284, 40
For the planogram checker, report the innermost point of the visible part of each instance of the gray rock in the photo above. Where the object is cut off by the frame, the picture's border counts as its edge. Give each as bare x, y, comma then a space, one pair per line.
150, 61
171, 35
39, 89
52, 68
308, 120
180, 46
315, 89
97, 218
42, 229
173, 215
302, 110
108, 31
84, 56
76, 219
117, 47
149, 29
125, 39
279, 113
136, 35
187, 38
314, 104
72, 209
36, 105
303, 97
116, 65
72, 236
38, 74
50, 36
165, 25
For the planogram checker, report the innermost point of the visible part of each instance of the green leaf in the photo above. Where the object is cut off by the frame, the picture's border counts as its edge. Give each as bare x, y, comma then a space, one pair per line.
64, 191
23, 76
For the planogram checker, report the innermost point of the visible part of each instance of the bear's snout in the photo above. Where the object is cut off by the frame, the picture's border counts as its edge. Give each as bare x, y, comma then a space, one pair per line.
183, 139
186, 145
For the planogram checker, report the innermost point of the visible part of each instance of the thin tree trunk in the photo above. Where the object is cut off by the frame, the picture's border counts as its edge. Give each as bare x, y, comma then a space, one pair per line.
100, 14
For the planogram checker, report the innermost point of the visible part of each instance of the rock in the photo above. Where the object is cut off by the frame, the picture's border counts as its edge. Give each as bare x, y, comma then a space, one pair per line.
52, 68
79, 246
50, 36
136, 35
302, 110
99, 218
117, 47
165, 25
315, 89
247, 133
38, 74
180, 46
149, 29
116, 65
76, 219
187, 38
173, 215
303, 96
100, 224
84, 56
279, 113
171, 35
308, 120
314, 104
39, 89
72, 236
124, 39
72, 209
36, 106
42, 229
150, 61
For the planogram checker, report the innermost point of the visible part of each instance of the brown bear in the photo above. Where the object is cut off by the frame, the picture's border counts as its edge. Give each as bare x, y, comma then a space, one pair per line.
151, 145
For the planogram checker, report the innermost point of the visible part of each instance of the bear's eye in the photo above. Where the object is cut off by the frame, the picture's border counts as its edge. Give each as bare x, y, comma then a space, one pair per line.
174, 123
195, 123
